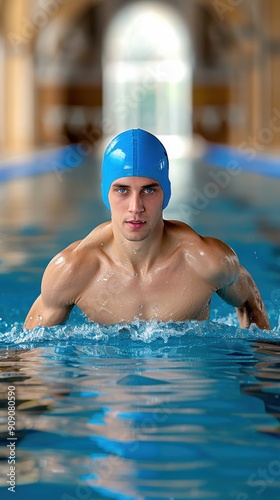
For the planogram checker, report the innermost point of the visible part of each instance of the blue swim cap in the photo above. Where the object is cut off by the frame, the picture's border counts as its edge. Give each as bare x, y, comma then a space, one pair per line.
139, 153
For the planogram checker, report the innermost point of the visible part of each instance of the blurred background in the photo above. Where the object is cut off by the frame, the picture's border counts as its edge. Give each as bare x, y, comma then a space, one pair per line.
200, 74
77, 71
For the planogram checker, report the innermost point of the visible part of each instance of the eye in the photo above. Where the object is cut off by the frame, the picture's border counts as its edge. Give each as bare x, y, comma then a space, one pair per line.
149, 190
121, 190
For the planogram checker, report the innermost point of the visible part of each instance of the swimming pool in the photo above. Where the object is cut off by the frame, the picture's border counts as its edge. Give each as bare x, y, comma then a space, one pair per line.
146, 410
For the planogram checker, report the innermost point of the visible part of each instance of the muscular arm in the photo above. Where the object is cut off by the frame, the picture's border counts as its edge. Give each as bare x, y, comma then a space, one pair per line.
234, 284
66, 279
58, 292
42, 315
244, 295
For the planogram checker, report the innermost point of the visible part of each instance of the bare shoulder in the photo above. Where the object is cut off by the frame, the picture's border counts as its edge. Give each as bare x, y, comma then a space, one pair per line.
211, 257
70, 266
99, 237
80, 251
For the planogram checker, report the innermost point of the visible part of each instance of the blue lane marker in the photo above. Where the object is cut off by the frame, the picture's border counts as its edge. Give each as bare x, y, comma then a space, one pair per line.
56, 161
247, 160
69, 157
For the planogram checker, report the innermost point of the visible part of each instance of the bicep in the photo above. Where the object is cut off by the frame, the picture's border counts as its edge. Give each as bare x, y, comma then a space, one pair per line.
53, 306
239, 291
61, 284
41, 314
223, 270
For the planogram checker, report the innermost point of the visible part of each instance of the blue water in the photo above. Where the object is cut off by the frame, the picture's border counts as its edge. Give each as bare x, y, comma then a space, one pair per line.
147, 410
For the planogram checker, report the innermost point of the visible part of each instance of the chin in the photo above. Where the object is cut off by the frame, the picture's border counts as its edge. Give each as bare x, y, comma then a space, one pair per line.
136, 237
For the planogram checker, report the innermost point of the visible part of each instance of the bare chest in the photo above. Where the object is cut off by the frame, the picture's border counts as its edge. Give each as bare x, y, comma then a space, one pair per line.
174, 294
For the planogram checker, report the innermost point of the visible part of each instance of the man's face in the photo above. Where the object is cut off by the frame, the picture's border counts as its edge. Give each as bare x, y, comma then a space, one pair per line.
136, 206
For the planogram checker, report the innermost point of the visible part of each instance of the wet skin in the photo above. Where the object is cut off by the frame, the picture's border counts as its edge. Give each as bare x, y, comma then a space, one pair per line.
141, 266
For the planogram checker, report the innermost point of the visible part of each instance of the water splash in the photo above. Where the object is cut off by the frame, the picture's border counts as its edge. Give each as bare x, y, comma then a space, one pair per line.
138, 331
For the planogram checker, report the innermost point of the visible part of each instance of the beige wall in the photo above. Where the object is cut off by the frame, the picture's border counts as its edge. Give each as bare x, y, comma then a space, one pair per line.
18, 81
245, 97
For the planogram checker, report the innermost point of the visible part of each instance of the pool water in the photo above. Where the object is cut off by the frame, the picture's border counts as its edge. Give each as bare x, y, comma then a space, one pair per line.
147, 410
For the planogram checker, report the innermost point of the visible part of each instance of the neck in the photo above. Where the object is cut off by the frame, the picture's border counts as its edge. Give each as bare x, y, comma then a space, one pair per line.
139, 254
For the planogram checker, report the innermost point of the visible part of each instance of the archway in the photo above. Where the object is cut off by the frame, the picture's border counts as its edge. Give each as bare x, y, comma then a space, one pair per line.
147, 74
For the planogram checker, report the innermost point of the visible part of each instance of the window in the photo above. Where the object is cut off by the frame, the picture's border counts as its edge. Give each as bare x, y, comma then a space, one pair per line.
147, 74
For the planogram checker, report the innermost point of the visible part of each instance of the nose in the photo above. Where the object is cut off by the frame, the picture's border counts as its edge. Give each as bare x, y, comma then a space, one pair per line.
136, 203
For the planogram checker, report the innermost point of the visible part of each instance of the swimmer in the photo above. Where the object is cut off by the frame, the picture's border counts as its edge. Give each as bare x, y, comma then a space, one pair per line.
139, 265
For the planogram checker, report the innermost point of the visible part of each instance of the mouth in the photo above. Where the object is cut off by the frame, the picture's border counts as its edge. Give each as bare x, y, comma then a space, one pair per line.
135, 224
